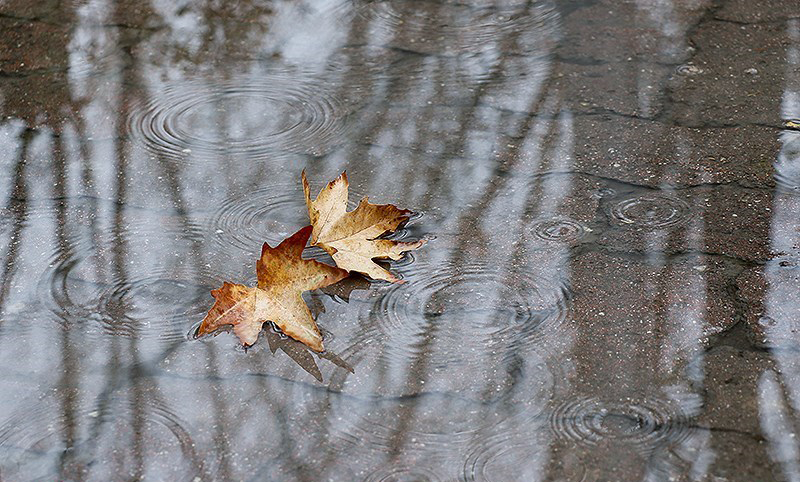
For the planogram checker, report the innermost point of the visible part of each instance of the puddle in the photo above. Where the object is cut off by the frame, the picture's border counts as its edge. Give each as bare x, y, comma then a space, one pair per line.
609, 290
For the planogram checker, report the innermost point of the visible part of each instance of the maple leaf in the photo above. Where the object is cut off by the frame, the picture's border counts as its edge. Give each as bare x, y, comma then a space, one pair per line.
351, 238
282, 276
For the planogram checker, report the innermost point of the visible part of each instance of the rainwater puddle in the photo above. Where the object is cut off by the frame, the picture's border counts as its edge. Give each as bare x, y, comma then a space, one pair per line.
609, 191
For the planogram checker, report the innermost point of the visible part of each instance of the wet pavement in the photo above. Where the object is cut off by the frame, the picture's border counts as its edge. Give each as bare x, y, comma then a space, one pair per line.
610, 190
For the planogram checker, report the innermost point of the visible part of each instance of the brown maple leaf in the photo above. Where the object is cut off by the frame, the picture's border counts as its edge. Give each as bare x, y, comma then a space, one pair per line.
351, 238
282, 276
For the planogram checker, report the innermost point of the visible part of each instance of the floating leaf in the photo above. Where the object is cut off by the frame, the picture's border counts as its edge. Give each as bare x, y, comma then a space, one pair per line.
283, 275
352, 238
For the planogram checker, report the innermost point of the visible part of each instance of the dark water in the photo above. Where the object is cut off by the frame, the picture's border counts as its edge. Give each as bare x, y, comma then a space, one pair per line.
610, 189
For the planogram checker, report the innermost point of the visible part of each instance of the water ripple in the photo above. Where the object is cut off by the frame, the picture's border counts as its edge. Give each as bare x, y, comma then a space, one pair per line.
438, 422
643, 424
479, 306
89, 285
459, 27
561, 230
787, 167
689, 70
42, 441
270, 213
651, 211
404, 474
254, 119
506, 457
456, 351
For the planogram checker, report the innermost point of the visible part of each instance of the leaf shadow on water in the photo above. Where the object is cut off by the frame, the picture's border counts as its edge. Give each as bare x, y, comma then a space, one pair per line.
300, 353
344, 288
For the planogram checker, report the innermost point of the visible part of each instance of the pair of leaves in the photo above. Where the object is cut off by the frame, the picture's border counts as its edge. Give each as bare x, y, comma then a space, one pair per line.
352, 240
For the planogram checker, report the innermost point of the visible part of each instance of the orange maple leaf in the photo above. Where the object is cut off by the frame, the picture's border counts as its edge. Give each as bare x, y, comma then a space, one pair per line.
282, 276
351, 238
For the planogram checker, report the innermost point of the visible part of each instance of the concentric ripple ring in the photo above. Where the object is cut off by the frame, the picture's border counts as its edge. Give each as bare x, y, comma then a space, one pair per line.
559, 229
277, 114
505, 457
651, 211
32, 441
403, 474
481, 305
459, 27
643, 424
787, 166
480, 331
90, 289
268, 214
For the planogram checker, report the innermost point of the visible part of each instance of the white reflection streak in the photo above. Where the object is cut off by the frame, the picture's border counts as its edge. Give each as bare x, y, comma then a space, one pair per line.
662, 14
308, 32
514, 197
776, 422
781, 302
557, 188
683, 348
686, 312
509, 209
100, 114
511, 206
10, 146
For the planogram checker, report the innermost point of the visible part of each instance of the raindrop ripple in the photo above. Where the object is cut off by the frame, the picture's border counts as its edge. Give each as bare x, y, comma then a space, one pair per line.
268, 214
504, 457
33, 442
462, 27
477, 304
787, 167
278, 114
559, 229
481, 335
403, 474
643, 424
651, 211
88, 288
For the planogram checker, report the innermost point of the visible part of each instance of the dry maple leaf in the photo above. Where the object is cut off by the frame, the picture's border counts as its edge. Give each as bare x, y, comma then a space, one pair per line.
351, 237
282, 276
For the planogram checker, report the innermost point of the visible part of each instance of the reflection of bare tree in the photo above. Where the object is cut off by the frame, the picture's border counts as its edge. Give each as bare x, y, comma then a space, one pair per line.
45, 66
479, 234
776, 320
70, 375
19, 193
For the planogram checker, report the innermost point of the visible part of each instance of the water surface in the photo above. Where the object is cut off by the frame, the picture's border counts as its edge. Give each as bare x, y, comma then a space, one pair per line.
610, 190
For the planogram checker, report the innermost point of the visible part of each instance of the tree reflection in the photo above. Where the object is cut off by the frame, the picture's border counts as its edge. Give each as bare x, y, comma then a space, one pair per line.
539, 330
